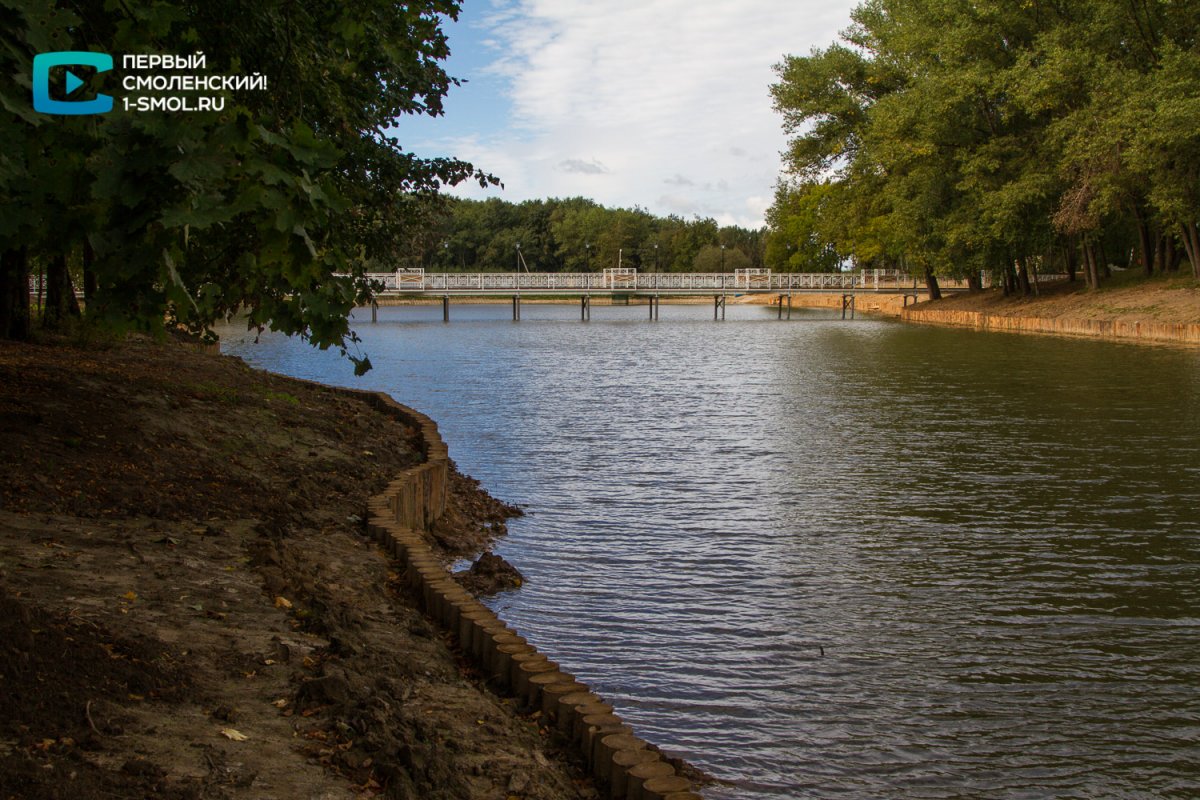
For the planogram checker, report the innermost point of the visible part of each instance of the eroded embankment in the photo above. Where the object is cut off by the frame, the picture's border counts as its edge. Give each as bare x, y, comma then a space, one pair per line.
1127, 306
1136, 330
191, 608
623, 764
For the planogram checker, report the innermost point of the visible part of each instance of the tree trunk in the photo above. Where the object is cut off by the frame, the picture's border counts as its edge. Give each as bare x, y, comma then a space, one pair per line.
1172, 255
14, 294
931, 282
974, 282
1023, 279
1008, 279
60, 294
1092, 268
1102, 268
1144, 239
1069, 253
1191, 243
89, 275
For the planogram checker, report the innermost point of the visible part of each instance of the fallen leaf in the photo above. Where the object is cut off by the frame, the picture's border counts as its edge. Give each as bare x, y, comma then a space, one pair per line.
282, 602
281, 702
130, 596
235, 735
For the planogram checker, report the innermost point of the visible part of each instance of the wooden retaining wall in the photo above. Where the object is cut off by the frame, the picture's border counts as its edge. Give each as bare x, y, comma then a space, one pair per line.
625, 767
1095, 328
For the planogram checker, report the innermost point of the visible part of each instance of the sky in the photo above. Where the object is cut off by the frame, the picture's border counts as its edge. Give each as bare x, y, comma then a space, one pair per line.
662, 104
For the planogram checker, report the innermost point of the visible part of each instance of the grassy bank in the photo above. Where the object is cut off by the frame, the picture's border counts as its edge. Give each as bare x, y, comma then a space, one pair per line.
1127, 306
189, 606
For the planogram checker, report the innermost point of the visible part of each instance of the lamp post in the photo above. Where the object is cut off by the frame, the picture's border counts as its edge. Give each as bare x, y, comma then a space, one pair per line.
446, 254
587, 250
722, 258
517, 286
655, 258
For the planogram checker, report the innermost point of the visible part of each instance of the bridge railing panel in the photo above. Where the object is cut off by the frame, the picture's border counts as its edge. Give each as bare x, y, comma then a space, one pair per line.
417, 281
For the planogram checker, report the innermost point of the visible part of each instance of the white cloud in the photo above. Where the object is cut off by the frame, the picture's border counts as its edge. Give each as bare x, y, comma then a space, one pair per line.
583, 167
651, 91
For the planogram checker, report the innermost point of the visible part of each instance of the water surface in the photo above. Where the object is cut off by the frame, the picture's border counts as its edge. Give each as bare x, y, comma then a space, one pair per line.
836, 559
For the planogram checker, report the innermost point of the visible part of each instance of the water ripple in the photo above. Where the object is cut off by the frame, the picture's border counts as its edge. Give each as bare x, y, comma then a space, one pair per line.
828, 559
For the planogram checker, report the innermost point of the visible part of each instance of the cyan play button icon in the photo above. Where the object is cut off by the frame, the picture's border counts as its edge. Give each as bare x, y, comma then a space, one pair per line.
43, 63
73, 82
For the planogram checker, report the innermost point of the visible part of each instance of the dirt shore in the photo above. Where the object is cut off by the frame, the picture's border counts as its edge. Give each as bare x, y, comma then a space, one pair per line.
1127, 306
189, 606
865, 303
1127, 297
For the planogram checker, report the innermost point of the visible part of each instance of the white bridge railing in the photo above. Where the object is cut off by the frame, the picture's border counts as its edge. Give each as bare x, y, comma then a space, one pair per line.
630, 280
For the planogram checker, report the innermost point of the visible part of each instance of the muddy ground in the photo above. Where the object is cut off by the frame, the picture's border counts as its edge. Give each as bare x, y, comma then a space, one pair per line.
189, 606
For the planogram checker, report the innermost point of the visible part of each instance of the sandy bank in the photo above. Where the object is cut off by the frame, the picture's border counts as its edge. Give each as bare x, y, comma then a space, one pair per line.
1131, 308
864, 303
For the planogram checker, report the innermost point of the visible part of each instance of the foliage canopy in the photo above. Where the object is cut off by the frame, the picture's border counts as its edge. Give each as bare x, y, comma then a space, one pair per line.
954, 137
274, 204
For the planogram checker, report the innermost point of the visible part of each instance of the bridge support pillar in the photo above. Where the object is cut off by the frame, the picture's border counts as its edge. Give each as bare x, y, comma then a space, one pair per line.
848, 303
374, 311
789, 305
780, 314
585, 308
445, 308
654, 307
718, 306
516, 308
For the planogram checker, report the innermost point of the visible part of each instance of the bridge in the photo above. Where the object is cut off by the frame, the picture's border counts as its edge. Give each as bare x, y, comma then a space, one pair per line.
625, 282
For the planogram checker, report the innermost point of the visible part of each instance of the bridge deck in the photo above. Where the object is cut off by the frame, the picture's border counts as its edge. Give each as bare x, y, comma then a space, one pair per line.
629, 282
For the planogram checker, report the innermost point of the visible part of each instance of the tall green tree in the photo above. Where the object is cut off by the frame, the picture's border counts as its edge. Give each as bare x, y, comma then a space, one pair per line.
962, 136
798, 242
276, 204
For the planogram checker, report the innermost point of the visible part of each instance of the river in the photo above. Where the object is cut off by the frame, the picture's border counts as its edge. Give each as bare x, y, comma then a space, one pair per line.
824, 558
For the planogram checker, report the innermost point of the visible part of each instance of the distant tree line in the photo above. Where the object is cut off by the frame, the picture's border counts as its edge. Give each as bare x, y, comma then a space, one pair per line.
951, 138
576, 235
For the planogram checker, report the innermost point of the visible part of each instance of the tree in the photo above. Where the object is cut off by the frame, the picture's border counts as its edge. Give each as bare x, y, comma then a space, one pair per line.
797, 241
713, 258
576, 235
278, 203
991, 135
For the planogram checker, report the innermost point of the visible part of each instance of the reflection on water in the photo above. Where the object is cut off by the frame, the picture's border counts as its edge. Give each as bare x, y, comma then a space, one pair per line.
837, 559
